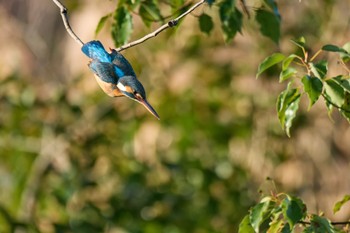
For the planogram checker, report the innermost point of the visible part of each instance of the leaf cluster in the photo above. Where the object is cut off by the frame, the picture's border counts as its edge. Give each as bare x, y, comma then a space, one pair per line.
312, 80
282, 213
231, 17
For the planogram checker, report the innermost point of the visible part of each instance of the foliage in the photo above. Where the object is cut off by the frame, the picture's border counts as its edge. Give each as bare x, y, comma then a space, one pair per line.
340, 203
284, 213
313, 78
96, 178
206, 23
122, 26
231, 17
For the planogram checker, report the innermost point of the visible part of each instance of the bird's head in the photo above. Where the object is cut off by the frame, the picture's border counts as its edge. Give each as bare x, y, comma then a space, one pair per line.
133, 89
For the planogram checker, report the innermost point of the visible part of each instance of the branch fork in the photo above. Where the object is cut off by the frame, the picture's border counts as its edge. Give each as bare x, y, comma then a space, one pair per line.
171, 23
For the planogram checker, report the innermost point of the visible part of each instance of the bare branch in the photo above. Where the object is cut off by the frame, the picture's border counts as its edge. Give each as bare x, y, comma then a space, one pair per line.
333, 223
244, 8
170, 24
51, 146
63, 11
39, 167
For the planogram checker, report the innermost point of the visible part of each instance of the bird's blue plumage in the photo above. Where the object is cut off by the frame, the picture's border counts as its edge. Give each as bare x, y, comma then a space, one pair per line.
95, 50
105, 71
104, 64
120, 61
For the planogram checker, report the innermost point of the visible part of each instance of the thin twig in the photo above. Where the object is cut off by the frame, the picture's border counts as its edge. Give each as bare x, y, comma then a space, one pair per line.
345, 66
333, 223
340, 223
39, 167
316, 54
52, 146
171, 23
63, 11
334, 105
244, 8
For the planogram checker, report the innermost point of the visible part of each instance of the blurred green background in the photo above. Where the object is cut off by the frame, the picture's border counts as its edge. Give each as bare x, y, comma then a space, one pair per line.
73, 159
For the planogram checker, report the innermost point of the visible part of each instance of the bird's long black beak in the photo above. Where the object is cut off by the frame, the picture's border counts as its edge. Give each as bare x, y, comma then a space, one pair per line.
145, 103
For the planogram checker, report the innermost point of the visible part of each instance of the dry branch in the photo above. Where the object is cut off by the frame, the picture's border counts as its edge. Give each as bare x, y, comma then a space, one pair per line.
171, 23
64, 11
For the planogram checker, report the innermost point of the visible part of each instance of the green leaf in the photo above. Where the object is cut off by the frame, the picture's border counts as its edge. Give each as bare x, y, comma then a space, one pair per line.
231, 19
343, 81
269, 24
269, 61
287, 106
149, 12
261, 213
319, 69
273, 6
287, 73
122, 26
176, 4
300, 42
339, 204
313, 87
101, 23
334, 92
346, 56
341, 95
309, 229
124, 2
329, 109
286, 62
346, 46
206, 23
210, 2
276, 225
286, 229
245, 226
293, 210
344, 51
321, 224
178, 7
333, 48
345, 108
130, 4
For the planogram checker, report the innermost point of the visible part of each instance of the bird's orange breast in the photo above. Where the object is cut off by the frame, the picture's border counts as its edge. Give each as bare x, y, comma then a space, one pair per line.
109, 88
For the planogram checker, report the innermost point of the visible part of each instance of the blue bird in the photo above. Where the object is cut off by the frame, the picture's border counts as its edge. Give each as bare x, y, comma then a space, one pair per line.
115, 75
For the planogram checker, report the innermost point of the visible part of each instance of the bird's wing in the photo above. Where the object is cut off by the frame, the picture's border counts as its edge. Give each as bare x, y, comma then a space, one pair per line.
122, 64
105, 71
95, 50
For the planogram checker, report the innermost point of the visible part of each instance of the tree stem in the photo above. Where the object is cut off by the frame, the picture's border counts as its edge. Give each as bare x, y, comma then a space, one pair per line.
171, 23
64, 11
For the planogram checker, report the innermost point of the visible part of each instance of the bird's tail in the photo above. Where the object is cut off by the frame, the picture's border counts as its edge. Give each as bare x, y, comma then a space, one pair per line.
95, 50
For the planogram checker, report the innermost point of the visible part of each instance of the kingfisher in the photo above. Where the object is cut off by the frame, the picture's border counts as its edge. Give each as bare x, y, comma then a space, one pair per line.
114, 74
